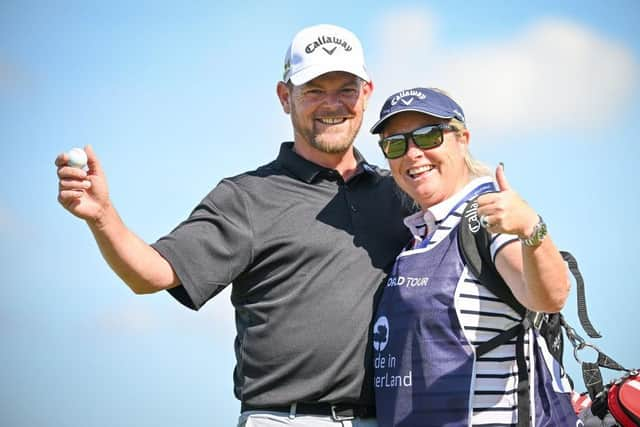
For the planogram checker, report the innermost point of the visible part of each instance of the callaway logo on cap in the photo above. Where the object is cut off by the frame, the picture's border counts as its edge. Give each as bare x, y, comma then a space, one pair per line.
321, 49
430, 101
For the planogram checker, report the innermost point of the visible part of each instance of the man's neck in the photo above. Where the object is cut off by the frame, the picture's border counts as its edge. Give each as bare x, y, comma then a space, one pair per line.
345, 163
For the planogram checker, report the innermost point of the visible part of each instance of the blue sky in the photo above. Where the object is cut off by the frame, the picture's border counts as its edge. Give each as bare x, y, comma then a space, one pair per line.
175, 96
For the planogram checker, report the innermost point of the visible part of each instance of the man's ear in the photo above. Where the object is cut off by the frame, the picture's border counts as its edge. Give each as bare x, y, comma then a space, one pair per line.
367, 89
284, 96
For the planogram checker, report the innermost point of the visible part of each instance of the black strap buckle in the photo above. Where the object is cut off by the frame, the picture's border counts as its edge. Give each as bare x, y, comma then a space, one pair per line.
335, 416
537, 319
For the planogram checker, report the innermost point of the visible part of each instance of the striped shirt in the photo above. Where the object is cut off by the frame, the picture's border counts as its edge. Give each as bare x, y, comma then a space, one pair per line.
481, 314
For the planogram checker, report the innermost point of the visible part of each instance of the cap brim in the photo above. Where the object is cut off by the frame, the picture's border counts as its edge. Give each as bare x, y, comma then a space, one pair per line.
310, 73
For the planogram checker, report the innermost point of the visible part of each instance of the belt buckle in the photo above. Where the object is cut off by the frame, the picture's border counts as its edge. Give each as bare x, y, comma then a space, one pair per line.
336, 417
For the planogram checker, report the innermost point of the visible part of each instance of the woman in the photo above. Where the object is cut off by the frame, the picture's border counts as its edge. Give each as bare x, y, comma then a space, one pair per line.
433, 312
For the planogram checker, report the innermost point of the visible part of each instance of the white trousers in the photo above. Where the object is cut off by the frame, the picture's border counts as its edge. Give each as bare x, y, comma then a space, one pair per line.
281, 419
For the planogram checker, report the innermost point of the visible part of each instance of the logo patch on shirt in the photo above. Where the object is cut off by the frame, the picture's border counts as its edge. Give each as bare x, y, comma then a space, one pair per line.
381, 333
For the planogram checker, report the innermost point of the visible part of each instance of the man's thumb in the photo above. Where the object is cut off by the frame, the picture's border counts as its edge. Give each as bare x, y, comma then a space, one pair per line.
92, 160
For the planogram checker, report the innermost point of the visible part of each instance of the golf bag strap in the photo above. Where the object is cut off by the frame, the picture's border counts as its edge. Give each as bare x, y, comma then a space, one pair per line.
582, 301
592, 379
498, 340
518, 332
524, 403
605, 361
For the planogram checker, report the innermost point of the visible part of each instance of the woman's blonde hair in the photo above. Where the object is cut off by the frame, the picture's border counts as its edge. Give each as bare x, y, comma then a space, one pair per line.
476, 167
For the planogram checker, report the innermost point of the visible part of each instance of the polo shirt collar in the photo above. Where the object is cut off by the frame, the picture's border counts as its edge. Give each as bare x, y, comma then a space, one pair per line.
422, 224
308, 171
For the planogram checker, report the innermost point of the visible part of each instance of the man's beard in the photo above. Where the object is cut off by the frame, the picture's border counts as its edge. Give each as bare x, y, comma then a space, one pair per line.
331, 148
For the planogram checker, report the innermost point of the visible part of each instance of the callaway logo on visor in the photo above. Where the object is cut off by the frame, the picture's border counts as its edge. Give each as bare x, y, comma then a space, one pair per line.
406, 97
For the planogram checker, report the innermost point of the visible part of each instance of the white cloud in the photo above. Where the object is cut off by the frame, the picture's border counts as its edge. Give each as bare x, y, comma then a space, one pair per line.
401, 50
553, 73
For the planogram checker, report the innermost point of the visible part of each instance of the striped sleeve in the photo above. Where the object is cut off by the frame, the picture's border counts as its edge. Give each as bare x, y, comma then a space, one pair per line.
499, 241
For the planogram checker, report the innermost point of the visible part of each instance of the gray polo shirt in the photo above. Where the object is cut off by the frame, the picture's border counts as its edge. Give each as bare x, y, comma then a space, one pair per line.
306, 253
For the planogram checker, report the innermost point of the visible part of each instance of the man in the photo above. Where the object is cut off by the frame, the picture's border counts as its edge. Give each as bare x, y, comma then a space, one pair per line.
306, 241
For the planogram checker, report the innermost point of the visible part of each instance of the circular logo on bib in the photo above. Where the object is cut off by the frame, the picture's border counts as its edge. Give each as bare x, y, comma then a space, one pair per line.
381, 333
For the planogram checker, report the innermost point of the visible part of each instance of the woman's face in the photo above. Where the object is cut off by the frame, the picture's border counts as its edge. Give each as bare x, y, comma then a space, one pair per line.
429, 176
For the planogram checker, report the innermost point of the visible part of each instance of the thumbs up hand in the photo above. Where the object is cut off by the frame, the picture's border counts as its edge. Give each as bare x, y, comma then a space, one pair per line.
505, 211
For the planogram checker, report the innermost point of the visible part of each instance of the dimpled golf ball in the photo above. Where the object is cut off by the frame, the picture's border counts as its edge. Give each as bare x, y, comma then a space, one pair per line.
77, 158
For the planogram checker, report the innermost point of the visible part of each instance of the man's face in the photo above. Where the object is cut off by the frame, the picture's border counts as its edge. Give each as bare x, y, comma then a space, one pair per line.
327, 111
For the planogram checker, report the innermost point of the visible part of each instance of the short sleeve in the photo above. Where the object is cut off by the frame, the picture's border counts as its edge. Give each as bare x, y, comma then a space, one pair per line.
212, 247
499, 241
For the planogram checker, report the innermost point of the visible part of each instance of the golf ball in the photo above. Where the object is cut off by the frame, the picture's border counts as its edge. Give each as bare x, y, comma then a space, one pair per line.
77, 158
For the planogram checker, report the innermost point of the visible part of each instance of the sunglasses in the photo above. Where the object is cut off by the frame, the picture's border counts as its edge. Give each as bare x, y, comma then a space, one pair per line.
426, 137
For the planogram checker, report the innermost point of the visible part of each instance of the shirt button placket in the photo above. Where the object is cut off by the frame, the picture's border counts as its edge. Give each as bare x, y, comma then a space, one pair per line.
350, 202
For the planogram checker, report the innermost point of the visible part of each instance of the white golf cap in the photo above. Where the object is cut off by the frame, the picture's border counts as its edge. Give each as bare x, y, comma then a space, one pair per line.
322, 49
